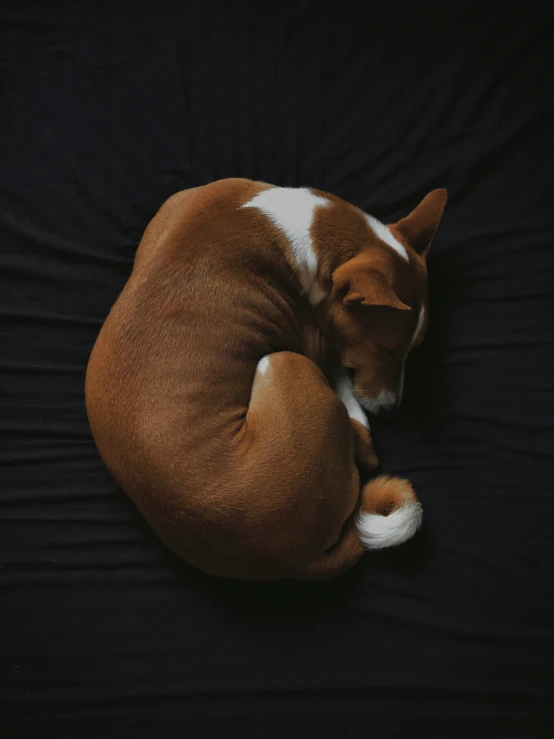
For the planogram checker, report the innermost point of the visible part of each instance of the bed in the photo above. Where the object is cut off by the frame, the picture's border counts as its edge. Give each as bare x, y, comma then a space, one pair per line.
108, 110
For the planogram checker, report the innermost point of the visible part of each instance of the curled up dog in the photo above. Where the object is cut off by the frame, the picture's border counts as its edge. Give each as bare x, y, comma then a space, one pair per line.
228, 388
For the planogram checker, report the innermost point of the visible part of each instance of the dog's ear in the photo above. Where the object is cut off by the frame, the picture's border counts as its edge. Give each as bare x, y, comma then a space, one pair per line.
419, 228
356, 283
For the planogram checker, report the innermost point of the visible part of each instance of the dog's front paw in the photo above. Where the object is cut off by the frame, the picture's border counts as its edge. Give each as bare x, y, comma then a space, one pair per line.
364, 450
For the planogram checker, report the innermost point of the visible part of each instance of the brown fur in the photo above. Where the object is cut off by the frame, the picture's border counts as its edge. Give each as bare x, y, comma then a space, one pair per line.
361, 273
242, 475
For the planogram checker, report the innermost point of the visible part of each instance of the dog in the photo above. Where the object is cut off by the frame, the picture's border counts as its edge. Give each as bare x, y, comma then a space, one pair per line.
229, 387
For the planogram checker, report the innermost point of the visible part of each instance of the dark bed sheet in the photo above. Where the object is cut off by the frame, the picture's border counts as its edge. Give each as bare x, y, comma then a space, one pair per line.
107, 109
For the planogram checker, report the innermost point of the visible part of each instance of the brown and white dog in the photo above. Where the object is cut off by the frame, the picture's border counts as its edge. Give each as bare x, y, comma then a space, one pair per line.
226, 388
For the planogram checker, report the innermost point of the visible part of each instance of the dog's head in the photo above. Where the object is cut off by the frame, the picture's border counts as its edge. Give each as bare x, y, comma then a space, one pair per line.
377, 311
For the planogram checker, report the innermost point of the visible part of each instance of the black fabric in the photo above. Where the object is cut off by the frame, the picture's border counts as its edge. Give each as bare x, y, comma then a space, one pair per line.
109, 108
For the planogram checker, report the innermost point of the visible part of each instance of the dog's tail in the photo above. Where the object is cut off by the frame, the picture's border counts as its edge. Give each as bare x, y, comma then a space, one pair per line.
389, 515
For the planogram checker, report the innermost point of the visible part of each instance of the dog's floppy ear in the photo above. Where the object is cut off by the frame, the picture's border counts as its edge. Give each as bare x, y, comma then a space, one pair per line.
356, 282
419, 228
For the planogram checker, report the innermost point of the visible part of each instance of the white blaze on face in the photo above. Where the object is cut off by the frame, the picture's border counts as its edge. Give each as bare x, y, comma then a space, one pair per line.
292, 211
386, 400
418, 329
385, 235
415, 338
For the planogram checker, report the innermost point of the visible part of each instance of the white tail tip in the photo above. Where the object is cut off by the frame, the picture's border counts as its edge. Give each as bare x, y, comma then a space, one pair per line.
379, 532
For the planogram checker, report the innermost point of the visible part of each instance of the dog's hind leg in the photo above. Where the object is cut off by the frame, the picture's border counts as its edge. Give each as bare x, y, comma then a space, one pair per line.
316, 521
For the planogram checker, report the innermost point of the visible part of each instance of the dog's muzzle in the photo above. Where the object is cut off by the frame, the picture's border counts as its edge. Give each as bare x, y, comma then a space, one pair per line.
384, 405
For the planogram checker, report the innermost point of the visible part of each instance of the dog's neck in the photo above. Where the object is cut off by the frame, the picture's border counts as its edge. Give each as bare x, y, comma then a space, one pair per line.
293, 210
314, 250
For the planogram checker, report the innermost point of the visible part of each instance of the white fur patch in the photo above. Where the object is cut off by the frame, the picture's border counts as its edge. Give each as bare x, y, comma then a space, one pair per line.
385, 234
343, 388
419, 327
378, 532
263, 365
316, 294
401, 383
292, 211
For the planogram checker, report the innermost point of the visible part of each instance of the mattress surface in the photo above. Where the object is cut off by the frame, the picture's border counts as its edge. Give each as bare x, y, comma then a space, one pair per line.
108, 109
